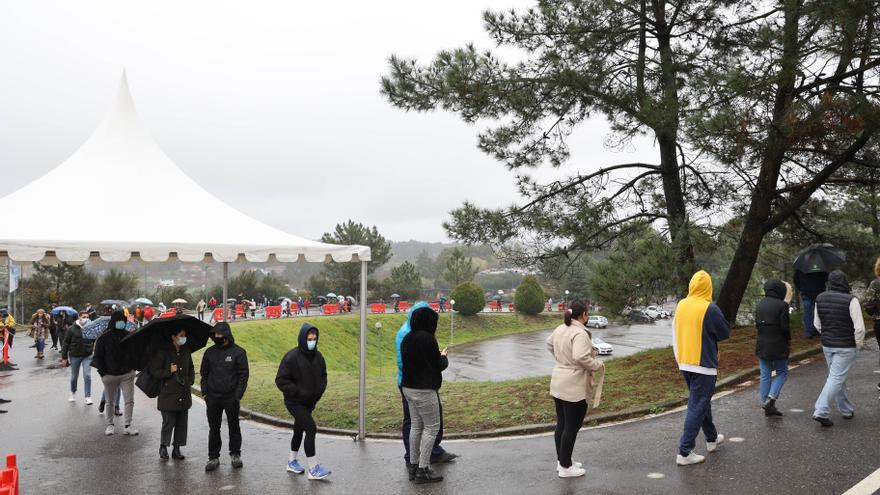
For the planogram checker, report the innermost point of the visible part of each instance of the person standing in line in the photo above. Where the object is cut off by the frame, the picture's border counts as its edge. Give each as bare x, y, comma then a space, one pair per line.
773, 342
302, 378
698, 326
76, 352
306, 303
112, 359
838, 318
872, 301
41, 324
224, 378
200, 309
139, 315
173, 367
810, 286
571, 384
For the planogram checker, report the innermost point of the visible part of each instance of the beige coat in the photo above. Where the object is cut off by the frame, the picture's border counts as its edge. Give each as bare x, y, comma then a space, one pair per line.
576, 363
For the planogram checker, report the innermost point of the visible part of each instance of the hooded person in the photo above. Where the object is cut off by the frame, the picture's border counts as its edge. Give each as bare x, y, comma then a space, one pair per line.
838, 318
302, 378
112, 358
224, 378
698, 326
772, 345
438, 454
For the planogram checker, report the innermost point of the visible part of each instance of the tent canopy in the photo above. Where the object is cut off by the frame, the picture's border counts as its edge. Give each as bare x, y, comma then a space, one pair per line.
84, 209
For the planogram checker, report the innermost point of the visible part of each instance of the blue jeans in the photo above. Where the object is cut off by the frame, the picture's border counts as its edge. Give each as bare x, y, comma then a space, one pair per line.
839, 361
699, 413
41, 344
772, 387
809, 305
86, 363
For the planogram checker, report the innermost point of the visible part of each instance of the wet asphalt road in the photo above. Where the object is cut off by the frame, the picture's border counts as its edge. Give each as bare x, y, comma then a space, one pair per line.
61, 449
525, 354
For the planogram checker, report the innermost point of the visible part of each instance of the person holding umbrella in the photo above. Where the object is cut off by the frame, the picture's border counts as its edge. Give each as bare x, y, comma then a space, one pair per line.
224, 377
113, 360
811, 268
173, 366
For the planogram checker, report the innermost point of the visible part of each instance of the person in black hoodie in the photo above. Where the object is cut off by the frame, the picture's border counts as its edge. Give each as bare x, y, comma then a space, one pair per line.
112, 358
773, 343
302, 378
423, 364
173, 366
224, 373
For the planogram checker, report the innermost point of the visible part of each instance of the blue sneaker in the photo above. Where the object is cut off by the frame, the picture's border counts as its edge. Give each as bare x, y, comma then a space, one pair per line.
318, 473
295, 467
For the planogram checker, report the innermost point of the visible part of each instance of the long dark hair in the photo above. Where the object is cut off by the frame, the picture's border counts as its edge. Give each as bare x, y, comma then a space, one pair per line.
117, 315
574, 311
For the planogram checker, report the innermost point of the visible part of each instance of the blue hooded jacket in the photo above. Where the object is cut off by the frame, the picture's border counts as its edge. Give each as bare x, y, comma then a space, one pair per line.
401, 334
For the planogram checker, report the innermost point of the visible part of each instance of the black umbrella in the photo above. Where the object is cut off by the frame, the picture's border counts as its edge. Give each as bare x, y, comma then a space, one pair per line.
147, 339
819, 258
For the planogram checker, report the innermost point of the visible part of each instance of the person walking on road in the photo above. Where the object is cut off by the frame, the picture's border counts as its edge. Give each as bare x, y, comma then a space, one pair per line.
224, 378
302, 378
572, 382
423, 365
438, 453
41, 324
838, 318
200, 309
76, 352
173, 367
773, 343
112, 359
810, 286
698, 327
872, 301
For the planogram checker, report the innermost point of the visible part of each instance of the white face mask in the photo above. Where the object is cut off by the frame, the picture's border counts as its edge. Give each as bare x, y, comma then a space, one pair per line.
311, 344
181, 341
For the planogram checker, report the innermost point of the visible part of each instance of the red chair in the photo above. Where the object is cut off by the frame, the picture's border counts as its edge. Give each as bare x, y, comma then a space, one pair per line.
403, 306
377, 308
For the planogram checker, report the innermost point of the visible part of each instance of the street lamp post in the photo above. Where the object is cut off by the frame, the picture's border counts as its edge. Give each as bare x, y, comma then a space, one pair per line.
566, 299
379, 331
451, 321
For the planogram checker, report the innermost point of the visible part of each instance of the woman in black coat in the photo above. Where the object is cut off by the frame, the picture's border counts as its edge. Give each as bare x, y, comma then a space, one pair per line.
773, 342
173, 366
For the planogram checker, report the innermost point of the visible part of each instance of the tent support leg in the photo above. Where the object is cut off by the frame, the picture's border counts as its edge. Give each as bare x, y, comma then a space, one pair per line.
362, 390
225, 285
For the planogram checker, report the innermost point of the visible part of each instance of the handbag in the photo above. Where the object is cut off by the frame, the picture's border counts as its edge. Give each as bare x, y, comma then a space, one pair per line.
148, 383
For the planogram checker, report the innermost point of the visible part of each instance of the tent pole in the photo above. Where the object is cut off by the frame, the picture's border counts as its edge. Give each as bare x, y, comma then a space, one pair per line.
225, 295
9, 305
362, 391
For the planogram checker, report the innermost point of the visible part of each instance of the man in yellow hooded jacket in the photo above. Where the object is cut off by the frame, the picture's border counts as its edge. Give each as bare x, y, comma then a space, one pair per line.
698, 327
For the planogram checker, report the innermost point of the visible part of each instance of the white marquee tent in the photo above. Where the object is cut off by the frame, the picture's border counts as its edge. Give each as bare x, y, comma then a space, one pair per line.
127, 175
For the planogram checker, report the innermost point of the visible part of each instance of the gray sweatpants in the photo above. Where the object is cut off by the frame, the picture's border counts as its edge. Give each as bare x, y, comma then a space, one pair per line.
424, 409
111, 388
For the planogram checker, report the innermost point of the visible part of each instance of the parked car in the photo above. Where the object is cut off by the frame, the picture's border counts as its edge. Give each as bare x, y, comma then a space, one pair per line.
639, 316
602, 347
597, 321
656, 312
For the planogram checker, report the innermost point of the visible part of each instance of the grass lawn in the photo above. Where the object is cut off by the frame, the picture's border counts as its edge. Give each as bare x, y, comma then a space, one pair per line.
645, 378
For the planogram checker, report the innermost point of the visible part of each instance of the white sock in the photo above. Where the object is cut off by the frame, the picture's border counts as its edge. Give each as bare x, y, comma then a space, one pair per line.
293, 455
312, 461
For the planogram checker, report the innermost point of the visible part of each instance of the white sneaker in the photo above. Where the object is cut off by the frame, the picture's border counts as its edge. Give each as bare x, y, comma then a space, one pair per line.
89, 401
72, 398
573, 463
130, 431
110, 430
571, 472
711, 446
692, 458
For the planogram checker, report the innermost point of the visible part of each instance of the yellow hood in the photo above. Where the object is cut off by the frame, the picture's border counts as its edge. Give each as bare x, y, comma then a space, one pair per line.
689, 318
701, 286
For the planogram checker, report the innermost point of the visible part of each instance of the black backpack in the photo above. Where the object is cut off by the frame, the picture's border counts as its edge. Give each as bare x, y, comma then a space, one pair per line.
872, 302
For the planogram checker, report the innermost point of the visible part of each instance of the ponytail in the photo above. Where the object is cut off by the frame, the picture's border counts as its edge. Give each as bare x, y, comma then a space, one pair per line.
574, 311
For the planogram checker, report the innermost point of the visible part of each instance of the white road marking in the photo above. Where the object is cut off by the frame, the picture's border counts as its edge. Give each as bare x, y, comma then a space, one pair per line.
737, 439
867, 486
656, 476
796, 410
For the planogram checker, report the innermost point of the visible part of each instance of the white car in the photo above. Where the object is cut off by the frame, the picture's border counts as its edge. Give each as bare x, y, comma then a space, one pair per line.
597, 322
602, 347
656, 312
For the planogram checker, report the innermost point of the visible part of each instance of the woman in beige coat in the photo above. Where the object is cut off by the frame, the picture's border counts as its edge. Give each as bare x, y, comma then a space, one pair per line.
572, 383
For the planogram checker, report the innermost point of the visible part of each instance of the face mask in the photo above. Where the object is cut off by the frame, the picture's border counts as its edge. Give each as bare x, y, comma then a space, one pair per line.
311, 344
219, 340
120, 325
181, 341
83, 322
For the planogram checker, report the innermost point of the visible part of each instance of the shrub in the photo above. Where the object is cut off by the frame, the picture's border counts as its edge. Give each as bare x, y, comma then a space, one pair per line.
469, 298
529, 297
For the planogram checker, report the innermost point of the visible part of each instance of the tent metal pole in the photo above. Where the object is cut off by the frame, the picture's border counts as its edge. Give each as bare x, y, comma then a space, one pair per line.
362, 390
9, 305
225, 294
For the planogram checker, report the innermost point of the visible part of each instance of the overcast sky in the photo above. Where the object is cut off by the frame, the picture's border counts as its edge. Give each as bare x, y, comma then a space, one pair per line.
272, 106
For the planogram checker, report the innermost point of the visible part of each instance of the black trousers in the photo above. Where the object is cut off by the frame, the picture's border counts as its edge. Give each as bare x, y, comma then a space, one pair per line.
407, 425
569, 419
216, 408
303, 424
53, 331
174, 422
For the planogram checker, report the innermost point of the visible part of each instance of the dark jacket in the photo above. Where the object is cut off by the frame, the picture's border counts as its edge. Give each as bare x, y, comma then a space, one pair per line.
302, 375
810, 284
174, 394
74, 345
112, 356
771, 318
832, 306
423, 364
224, 371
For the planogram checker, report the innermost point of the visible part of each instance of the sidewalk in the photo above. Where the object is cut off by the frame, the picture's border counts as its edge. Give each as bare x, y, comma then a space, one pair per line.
61, 449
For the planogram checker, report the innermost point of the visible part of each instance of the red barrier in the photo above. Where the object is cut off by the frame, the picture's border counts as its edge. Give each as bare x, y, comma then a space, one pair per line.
331, 309
403, 306
378, 308
9, 477
218, 315
435, 306
239, 310
562, 307
168, 314
5, 347
273, 311
511, 307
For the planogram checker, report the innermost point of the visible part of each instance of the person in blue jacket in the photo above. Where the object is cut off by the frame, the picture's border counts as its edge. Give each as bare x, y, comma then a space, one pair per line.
438, 453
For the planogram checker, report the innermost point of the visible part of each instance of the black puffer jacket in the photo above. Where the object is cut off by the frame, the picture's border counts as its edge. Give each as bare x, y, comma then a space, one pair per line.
112, 355
771, 317
174, 395
74, 345
224, 371
832, 306
423, 364
302, 375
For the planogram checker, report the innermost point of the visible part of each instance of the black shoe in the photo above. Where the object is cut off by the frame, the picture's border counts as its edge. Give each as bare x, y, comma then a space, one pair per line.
101, 406
163, 453
3, 412
117, 412
770, 408
850, 415
444, 458
427, 475
411, 468
236, 461
212, 465
5, 401
175, 453
823, 421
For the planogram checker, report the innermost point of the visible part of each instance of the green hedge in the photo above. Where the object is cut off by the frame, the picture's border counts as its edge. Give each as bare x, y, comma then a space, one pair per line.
469, 298
529, 297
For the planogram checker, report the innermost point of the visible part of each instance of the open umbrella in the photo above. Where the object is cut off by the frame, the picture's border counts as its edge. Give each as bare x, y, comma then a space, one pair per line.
331, 295
178, 301
395, 296
145, 338
111, 302
66, 309
143, 300
95, 328
819, 258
